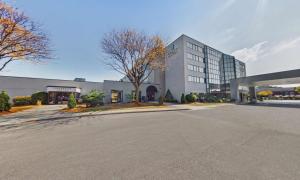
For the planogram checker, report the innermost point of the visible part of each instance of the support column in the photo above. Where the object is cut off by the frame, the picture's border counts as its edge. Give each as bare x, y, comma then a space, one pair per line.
234, 91
252, 93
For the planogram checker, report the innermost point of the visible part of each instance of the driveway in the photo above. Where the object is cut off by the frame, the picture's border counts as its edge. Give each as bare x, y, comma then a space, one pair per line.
227, 142
36, 112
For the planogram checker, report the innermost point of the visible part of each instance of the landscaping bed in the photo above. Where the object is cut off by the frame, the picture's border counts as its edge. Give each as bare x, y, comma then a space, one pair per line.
83, 108
206, 104
17, 109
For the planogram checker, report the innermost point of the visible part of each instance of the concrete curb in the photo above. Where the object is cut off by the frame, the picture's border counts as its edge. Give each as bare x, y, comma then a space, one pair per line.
11, 125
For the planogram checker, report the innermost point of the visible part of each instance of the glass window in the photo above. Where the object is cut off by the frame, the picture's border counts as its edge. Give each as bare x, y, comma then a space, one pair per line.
196, 79
194, 46
195, 68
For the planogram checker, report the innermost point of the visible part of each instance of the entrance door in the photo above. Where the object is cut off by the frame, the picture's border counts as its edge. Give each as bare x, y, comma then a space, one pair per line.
60, 97
151, 92
116, 96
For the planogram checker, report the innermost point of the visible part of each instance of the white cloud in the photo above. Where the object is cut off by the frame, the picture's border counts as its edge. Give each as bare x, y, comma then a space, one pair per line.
225, 6
264, 49
266, 57
286, 45
252, 53
228, 4
261, 5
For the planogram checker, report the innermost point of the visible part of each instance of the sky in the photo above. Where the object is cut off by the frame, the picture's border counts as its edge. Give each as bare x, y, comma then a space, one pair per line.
265, 34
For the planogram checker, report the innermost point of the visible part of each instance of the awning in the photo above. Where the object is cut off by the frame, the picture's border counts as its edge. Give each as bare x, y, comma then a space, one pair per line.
63, 89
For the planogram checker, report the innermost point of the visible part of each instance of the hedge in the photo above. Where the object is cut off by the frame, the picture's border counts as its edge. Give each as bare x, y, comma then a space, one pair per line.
22, 100
39, 96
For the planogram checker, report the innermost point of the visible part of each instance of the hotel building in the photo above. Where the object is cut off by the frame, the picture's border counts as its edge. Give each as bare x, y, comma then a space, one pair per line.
192, 67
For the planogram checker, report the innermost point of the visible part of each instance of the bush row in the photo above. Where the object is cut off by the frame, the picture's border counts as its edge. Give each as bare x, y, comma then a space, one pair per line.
22, 100
34, 99
195, 97
93, 98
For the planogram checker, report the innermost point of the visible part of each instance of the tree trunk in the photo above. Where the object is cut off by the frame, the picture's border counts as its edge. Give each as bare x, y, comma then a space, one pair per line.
137, 94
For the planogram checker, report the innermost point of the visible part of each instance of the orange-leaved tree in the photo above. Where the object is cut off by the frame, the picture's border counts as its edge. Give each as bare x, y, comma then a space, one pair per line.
20, 37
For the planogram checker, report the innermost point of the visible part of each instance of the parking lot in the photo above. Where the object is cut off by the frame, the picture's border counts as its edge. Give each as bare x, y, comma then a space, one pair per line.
226, 142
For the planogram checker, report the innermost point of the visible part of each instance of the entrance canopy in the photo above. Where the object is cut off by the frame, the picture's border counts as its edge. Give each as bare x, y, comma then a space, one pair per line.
63, 89
278, 78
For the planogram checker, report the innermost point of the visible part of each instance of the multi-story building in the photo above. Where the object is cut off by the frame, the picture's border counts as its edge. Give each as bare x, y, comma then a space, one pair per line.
195, 67
191, 67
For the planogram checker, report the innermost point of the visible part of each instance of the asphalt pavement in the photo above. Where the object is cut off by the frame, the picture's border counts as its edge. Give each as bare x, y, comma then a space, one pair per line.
227, 142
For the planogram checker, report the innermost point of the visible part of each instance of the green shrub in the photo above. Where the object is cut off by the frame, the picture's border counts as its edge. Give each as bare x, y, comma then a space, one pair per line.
4, 102
297, 89
72, 101
39, 96
211, 98
192, 97
130, 97
22, 100
169, 97
93, 98
171, 100
182, 99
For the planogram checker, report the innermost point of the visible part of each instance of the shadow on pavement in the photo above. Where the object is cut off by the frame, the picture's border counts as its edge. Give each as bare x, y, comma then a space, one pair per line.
278, 105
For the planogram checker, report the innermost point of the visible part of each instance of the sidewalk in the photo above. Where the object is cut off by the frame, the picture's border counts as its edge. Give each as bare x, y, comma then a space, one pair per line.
52, 113
45, 114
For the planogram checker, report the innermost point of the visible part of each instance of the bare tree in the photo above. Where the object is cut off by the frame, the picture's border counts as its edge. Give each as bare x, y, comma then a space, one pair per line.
20, 38
134, 54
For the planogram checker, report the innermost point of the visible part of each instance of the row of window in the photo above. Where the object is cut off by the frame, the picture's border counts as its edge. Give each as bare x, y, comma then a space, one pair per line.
214, 81
214, 71
213, 61
195, 57
195, 68
214, 76
196, 79
214, 53
194, 47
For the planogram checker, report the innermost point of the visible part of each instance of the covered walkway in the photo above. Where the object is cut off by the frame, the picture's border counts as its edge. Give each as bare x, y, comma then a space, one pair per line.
246, 85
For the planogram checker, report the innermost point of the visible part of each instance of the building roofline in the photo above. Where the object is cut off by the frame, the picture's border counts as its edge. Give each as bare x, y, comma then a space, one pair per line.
129, 82
203, 43
48, 79
184, 35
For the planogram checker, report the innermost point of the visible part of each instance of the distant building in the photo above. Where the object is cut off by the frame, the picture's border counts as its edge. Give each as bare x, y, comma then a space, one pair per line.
279, 91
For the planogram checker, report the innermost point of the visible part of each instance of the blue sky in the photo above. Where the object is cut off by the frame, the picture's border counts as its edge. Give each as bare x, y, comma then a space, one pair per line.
263, 33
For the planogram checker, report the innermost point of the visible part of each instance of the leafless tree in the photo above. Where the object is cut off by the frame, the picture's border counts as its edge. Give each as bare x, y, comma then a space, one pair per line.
134, 54
20, 37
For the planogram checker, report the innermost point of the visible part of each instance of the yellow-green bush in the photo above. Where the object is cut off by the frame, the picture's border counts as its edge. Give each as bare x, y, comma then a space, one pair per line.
22, 100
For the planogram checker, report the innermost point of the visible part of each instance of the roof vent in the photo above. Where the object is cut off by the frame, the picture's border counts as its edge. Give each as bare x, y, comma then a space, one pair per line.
79, 79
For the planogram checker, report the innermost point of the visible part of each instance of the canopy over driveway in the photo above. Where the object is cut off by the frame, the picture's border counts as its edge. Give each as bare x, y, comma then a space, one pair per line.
248, 84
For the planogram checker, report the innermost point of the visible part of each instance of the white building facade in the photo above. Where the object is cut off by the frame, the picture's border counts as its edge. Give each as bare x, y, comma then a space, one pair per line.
191, 67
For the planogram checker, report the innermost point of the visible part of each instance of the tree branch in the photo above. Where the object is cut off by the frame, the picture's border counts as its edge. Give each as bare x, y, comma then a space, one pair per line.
5, 64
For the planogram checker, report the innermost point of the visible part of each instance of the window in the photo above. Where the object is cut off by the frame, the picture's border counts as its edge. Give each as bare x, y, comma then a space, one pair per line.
195, 79
195, 57
194, 46
189, 45
195, 68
